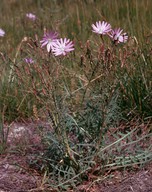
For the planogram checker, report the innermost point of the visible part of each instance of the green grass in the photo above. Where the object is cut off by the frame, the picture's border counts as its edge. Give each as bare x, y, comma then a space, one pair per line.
87, 94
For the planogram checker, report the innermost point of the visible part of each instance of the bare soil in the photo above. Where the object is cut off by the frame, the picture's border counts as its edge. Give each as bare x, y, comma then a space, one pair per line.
16, 175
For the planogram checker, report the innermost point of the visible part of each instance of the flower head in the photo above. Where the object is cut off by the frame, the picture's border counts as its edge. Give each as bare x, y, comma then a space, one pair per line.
48, 40
101, 28
62, 47
29, 60
2, 33
31, 16
118, 37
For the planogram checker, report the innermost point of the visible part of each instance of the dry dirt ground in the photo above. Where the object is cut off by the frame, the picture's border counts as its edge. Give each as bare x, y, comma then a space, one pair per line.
17, 176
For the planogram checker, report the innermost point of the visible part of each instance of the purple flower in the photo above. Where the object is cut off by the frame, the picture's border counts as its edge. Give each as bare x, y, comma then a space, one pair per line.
29, 60
101, 28
49, 39
118, 37
62, 47
31, 16
2, 33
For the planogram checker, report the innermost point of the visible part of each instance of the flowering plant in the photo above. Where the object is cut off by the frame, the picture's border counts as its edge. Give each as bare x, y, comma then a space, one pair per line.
101, 28
104, 28
49, 39
62, 47
2, 33
31, 16
118, 37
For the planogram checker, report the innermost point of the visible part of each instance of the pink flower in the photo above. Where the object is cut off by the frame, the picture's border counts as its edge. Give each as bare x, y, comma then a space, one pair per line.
49, 39
29, 60
118, 37
101, 28
2, 33
31, 16
62, 47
